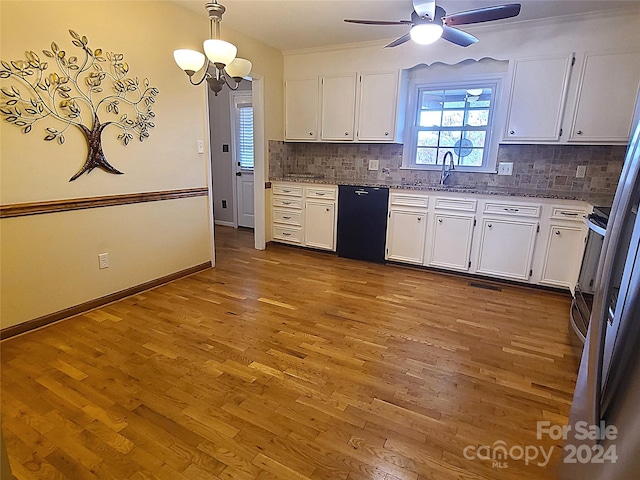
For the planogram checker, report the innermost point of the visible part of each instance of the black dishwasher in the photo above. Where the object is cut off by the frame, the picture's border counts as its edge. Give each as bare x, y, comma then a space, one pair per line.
362, 222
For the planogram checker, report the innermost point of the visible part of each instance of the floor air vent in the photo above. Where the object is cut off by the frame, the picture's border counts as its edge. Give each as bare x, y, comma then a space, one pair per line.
486, 286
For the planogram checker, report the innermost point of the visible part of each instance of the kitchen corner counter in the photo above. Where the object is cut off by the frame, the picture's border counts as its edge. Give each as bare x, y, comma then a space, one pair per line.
593, 199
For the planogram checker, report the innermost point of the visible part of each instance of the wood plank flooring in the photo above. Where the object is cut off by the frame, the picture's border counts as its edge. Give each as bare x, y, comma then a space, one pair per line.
291, 364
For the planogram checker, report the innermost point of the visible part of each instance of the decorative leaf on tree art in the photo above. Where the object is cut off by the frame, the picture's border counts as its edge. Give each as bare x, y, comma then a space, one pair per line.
75, 95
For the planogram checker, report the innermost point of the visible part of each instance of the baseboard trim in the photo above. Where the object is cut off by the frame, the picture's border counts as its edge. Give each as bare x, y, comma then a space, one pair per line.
224, 223
97, 302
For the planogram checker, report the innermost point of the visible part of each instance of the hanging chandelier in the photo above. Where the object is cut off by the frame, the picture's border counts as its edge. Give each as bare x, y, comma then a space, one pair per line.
228, 69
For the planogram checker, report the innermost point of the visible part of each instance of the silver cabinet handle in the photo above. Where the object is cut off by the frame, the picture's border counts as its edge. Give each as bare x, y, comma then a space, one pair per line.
286, 234
321, 194
286, 218
569, 214
511, 209
286, 190
286, 203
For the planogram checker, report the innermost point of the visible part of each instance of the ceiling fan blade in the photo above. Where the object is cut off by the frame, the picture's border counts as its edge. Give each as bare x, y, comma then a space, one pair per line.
483, 15
403, 39
458, 37
379, 22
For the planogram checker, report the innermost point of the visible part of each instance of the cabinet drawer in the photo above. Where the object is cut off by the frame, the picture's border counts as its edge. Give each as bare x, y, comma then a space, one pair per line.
287, 234
408, 200
290, 217
287, 202
319, 192
521, 210
292, 190
568, 213
459, 204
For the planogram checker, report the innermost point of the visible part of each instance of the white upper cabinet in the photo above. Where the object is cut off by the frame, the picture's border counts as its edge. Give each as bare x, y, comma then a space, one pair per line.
344, 107
338, 107
605, 98
301, 109
538, 92
377, 112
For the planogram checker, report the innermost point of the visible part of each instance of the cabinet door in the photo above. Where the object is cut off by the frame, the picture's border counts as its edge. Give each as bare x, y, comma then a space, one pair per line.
506, 248
338, 107
301, 109
606, 98
451, 245
377, 112
405, 237
538, 92
563, 256
319, 224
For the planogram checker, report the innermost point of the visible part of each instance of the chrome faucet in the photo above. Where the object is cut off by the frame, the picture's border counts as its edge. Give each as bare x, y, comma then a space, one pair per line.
446, 172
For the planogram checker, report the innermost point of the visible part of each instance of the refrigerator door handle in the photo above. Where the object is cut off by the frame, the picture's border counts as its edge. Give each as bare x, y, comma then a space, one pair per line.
620, 210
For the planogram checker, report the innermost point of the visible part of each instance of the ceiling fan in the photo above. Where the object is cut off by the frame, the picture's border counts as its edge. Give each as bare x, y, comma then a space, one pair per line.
430, 22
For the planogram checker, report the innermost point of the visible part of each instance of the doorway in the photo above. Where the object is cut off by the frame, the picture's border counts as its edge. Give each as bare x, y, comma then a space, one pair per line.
223, 168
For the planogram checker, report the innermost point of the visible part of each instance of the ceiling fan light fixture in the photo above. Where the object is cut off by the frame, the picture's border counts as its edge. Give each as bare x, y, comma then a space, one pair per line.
426, 33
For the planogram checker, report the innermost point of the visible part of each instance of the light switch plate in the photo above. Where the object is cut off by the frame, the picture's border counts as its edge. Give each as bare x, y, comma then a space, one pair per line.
505, 168
200, 146
374, 164
581, 171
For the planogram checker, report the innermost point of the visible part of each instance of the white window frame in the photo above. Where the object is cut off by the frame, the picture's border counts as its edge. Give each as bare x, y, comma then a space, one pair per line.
490, 157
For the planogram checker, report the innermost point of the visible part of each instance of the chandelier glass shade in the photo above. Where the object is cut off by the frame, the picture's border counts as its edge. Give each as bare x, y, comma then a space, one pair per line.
227, 68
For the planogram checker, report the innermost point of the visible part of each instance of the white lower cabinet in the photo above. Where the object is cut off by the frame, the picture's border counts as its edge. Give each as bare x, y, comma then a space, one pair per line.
563, 255
405, 236
320, 218
506, 247
451, 245
304, 215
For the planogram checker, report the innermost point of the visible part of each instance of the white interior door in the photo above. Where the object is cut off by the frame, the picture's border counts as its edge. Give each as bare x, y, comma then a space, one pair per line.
243, 156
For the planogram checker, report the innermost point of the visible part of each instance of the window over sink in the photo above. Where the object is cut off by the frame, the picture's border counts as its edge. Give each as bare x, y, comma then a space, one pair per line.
452, 110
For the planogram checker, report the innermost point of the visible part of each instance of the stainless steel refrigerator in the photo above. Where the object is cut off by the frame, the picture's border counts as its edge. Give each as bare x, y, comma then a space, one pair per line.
603, 437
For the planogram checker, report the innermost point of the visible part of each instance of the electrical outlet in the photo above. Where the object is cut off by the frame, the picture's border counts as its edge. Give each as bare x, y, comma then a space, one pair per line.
103, 260
581, 171
200, 146
224, 204
374, 164
505, 168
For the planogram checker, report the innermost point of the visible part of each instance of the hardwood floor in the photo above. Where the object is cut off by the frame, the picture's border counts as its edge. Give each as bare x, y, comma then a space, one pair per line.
292, 364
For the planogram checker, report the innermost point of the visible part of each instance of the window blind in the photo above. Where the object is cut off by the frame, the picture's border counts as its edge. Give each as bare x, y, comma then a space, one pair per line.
245, 136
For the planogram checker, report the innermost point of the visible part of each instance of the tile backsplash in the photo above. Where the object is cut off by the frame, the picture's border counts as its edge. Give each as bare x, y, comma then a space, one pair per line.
550, 168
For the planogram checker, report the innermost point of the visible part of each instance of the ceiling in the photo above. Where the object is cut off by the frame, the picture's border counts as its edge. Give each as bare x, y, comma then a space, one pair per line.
300, 24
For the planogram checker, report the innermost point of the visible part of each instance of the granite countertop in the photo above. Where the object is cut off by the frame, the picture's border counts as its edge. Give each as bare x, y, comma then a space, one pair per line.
594, 199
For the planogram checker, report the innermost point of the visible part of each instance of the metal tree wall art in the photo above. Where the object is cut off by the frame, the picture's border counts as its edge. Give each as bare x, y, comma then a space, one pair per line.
75, 95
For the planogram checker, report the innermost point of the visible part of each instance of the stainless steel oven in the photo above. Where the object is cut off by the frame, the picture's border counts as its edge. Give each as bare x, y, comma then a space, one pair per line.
584, 289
